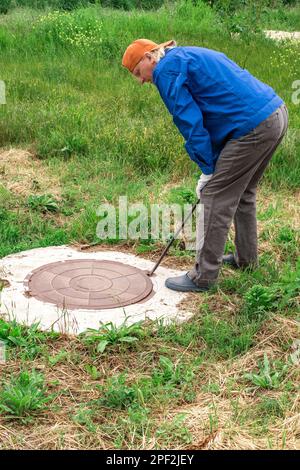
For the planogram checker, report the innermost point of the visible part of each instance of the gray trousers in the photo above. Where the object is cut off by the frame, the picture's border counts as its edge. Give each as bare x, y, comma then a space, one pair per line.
231, 194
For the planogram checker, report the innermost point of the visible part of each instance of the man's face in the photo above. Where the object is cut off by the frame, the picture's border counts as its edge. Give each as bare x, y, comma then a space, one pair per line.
143, 70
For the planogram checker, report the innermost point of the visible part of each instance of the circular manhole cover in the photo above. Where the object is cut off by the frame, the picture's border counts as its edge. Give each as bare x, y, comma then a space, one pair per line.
88, 284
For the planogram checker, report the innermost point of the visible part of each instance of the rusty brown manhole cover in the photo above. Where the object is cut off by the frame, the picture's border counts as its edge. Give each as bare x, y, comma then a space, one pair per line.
88, 284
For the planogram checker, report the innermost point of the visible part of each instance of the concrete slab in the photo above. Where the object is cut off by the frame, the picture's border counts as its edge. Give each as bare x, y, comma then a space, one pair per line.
16, 303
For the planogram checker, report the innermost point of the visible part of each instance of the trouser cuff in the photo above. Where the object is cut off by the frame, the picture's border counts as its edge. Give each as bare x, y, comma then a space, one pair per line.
196, 278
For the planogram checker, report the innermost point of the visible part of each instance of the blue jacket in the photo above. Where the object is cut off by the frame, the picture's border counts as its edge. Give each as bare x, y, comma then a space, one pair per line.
211, 99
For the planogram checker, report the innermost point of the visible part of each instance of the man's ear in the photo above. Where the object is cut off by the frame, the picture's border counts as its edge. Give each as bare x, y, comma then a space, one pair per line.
148, 55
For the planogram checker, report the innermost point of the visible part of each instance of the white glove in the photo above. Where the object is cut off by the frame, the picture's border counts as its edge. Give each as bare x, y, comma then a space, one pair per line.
203, 180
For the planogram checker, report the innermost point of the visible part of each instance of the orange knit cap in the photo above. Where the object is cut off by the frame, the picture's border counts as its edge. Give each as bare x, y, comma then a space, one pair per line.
136, 50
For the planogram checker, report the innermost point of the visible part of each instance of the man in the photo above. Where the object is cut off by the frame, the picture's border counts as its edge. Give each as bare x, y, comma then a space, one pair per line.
232, 124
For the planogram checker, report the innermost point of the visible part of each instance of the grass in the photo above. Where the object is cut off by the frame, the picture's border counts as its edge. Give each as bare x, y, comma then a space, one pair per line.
60, 107
78, 131
268, 377
23, 395
109, 334
30, 342
126, 398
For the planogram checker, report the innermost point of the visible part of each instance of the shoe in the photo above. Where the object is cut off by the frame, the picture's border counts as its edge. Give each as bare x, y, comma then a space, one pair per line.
229, 260
183, 284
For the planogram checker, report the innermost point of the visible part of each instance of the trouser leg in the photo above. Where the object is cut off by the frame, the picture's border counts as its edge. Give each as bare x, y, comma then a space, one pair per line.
245, 224
245, 221
238, 165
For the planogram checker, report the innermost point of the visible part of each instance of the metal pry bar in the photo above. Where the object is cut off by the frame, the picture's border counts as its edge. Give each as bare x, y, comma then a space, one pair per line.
166, 249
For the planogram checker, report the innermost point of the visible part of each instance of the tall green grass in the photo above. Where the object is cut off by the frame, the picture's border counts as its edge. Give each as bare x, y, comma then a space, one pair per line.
69, 5
72, 103
68, 93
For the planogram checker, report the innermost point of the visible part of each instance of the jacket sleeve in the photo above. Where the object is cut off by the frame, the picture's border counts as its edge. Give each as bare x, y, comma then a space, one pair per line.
187, 116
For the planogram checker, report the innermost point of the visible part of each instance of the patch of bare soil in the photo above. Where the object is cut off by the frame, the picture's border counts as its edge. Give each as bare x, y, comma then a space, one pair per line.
23, 174
170, 261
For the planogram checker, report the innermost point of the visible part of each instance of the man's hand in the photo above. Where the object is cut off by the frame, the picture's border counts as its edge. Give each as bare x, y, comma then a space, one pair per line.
203, 180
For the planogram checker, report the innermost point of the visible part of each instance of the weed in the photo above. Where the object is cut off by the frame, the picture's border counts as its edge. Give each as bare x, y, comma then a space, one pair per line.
185, 334
168, 372
84, 416
270, 407
181, 195
43, 203
175, 430
288, 240
260, 298
110, 334
71, 30
29, 340
60, 357
24, 394
92, 371
270, 375
133, 426
212, 388
116, 394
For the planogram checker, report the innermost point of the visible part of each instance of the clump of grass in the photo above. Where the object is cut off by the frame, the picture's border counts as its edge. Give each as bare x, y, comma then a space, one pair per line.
134, 426
175, 430
185, 334
116, 394
259, 298
84, 416
92, 371
168, 380
43, 203
29, 341
227, 339
211, 336
61, 356
270, 375
24, 395
5, 6
272, 407
110, 335
169, 373
181, 195
288, 241
146, 246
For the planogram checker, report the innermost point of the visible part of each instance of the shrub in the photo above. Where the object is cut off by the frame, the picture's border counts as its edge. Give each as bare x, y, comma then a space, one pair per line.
72, 4
60, 4
130, 4
69, 5
5, 6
